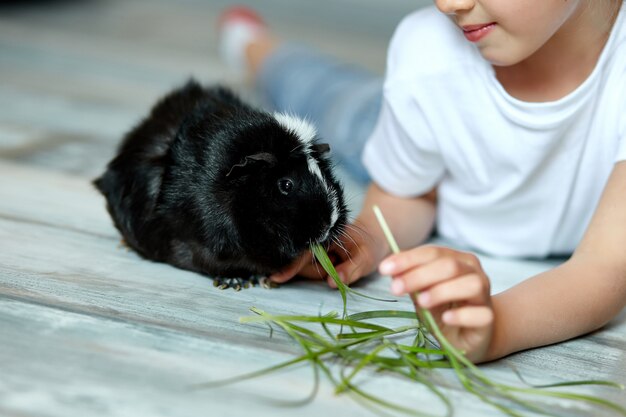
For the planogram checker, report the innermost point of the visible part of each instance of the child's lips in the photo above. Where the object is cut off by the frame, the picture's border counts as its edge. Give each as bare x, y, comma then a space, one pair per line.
474, 33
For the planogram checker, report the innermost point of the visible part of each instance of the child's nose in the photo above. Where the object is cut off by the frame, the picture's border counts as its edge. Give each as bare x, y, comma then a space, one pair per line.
454, 6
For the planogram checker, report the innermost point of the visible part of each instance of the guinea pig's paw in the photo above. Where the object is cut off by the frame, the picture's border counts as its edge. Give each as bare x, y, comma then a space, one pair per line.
124, 245
263, 282
236, 284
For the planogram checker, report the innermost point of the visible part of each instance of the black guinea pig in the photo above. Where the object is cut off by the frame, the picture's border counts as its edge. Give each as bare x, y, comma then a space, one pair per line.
209, 184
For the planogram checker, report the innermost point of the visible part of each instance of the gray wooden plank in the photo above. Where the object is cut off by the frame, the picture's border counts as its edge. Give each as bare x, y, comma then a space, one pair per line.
70, 364
48, 197
83, 363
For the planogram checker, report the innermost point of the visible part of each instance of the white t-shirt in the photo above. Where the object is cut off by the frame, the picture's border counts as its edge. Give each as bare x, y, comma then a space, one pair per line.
515, 178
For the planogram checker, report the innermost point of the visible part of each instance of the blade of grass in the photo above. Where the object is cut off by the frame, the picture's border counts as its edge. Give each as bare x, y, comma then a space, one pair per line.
415, 374
322, 257
417, 349
377, 314
362, 363
263, 316
567, 383
385, 227
251, 375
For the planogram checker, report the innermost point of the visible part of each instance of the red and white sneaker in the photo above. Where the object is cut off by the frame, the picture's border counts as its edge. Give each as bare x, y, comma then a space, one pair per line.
237, 27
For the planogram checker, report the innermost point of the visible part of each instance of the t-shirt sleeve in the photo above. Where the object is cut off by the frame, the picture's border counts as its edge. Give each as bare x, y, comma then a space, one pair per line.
401, 155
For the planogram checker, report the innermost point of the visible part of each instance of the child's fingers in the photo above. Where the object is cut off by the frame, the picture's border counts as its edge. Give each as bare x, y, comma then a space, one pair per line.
355, 263
400, 262
433, 273
351, 270
468, 316
295, 268
472, 288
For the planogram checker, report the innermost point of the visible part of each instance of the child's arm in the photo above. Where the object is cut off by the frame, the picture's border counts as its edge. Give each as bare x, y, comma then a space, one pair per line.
577, 297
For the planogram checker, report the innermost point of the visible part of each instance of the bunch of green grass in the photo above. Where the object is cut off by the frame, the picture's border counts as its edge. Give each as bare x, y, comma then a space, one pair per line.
342, 355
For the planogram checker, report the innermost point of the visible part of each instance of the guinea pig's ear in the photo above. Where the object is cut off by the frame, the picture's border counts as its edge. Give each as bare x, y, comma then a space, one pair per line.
321, 148
265, 157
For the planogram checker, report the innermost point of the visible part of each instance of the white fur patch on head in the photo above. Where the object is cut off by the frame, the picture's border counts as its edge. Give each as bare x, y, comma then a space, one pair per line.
304, 130
314, 168
306, 133
334, 214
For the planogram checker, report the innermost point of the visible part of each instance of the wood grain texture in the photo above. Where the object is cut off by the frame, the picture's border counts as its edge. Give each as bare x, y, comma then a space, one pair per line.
88, 328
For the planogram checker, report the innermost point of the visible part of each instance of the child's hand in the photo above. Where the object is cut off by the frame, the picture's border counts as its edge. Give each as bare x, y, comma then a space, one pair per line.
454, 287
354, 257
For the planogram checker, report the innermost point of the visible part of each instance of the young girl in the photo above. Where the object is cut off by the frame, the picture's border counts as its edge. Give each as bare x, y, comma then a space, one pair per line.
503, 124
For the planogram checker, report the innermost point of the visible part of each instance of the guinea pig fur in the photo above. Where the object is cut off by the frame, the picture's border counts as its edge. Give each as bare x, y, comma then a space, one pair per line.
210, 184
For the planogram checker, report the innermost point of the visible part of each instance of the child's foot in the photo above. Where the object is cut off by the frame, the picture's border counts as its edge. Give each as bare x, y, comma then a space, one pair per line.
244, 40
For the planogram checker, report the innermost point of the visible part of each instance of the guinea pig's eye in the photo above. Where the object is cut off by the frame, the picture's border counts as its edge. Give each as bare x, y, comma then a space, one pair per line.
285, 185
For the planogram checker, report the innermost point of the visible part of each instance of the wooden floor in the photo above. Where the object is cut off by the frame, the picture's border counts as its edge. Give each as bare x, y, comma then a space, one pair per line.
88, 328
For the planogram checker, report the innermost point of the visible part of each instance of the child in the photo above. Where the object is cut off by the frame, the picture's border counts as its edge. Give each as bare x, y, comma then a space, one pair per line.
503, 124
